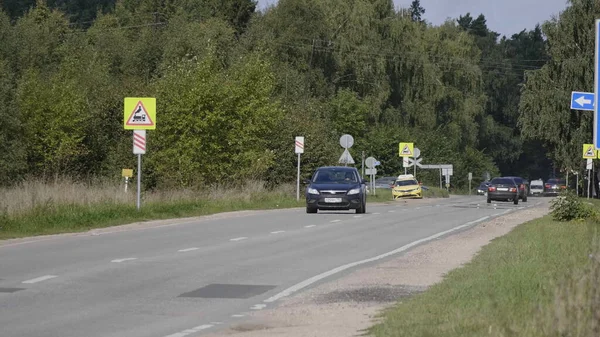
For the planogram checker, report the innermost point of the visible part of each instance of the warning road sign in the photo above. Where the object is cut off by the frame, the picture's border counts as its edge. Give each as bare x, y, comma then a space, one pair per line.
589, 152
406, 149
139, 142
140, 113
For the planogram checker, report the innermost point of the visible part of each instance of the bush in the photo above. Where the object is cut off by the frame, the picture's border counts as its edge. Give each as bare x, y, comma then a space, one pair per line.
434, 192
568, 207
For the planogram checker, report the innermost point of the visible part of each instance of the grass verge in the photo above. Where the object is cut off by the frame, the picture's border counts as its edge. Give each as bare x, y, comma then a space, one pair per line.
37, 208
538, 280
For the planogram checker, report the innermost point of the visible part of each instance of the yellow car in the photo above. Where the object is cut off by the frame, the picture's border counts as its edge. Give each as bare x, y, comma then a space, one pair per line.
406, 186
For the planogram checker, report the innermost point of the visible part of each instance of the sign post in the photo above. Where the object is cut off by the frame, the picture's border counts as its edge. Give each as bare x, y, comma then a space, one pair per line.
470, 178
406, 151
299, 150
589, 153
139, 115
126, 173
596, 82
416, 154
372, 171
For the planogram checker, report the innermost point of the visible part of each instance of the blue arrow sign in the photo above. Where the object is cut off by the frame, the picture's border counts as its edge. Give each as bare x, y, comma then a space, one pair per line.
583, 100
596, 91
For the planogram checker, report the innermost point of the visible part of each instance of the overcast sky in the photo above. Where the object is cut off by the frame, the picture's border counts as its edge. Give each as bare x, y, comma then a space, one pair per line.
506, 17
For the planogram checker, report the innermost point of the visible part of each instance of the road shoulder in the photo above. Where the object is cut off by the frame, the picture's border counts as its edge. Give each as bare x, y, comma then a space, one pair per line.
349, 305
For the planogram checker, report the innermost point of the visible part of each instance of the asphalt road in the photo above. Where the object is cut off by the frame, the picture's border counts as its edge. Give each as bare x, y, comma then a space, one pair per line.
187, 279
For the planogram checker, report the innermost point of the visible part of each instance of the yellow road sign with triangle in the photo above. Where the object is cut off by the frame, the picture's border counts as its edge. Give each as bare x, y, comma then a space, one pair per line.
406, 150
589, 152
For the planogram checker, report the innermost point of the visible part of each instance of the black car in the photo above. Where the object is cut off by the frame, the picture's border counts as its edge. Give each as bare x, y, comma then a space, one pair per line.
503, 189
523, 185
336, 188
554, 186
385, 183
482, 188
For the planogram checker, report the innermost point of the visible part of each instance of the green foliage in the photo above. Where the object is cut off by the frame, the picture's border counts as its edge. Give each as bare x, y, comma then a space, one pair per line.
216, 122
568, 207
234, 88
543, 114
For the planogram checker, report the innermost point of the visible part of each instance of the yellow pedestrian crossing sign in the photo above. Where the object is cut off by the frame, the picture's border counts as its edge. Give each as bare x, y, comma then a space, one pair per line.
406, 150
589, 152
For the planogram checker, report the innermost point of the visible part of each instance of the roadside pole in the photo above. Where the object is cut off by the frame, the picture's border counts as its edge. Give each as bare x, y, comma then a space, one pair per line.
139, 182
139, 116
299, 149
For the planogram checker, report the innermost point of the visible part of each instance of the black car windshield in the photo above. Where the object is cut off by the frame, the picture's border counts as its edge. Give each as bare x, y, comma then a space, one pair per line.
503, 181
406, 182
556, 181
332, 176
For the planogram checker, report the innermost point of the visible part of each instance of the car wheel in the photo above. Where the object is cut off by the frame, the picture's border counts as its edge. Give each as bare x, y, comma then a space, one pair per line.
489, 201
525, 199
516, 201
311, 210
361, 209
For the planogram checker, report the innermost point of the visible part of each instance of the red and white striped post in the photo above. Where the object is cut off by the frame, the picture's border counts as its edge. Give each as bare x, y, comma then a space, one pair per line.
299, 150
139, 148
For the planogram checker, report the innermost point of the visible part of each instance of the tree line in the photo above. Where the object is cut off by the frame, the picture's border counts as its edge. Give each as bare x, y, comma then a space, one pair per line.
234, 86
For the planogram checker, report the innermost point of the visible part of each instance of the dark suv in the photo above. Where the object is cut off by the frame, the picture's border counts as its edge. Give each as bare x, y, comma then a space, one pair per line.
336, 188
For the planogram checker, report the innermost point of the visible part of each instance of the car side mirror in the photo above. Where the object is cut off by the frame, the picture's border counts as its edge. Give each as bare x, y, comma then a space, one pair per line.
363, 181
306, 181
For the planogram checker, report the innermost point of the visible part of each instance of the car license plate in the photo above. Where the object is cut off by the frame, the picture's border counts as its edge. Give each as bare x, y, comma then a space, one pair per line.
502, 189
333, 200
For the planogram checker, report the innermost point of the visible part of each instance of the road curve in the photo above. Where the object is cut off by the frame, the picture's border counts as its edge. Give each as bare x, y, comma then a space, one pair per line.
198, 276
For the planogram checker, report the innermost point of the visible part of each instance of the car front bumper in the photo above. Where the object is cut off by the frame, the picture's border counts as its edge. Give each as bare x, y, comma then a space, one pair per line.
334, 202
418, 193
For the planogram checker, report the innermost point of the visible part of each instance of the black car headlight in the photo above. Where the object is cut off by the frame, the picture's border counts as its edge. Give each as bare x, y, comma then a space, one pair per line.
313, 191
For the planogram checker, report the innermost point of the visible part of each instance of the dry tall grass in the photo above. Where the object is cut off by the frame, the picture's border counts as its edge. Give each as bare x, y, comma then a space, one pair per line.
34, 194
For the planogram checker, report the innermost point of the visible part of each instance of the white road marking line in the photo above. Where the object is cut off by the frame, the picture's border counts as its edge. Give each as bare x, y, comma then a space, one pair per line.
391, 211
310, 226
258, 306
277, 232
39, 279
125, 259
238, 239
238, 316
376, 213
321, 276
418, 208
191, 331
187, 250
358, 216
337, 220
216, 323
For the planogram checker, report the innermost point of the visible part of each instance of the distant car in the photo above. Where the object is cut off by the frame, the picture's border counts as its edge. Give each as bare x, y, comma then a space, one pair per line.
554, 186
406, 186
523, 187
336, 188
537, 187
385, 182
503, 189
482, 188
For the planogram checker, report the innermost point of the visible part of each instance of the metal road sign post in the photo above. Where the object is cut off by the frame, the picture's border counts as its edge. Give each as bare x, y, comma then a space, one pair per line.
470, 178
371, 171
589, 169
416, 154
596, 83
139, 115
583, 100
299, 149
139, 148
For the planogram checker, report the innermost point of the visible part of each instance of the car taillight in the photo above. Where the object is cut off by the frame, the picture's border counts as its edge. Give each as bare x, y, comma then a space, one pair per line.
522, 186
548, 185
563, 187
491, 188
513, 189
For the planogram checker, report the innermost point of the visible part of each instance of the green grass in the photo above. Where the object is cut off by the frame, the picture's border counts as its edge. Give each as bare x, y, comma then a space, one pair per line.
509, 289
75, 218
